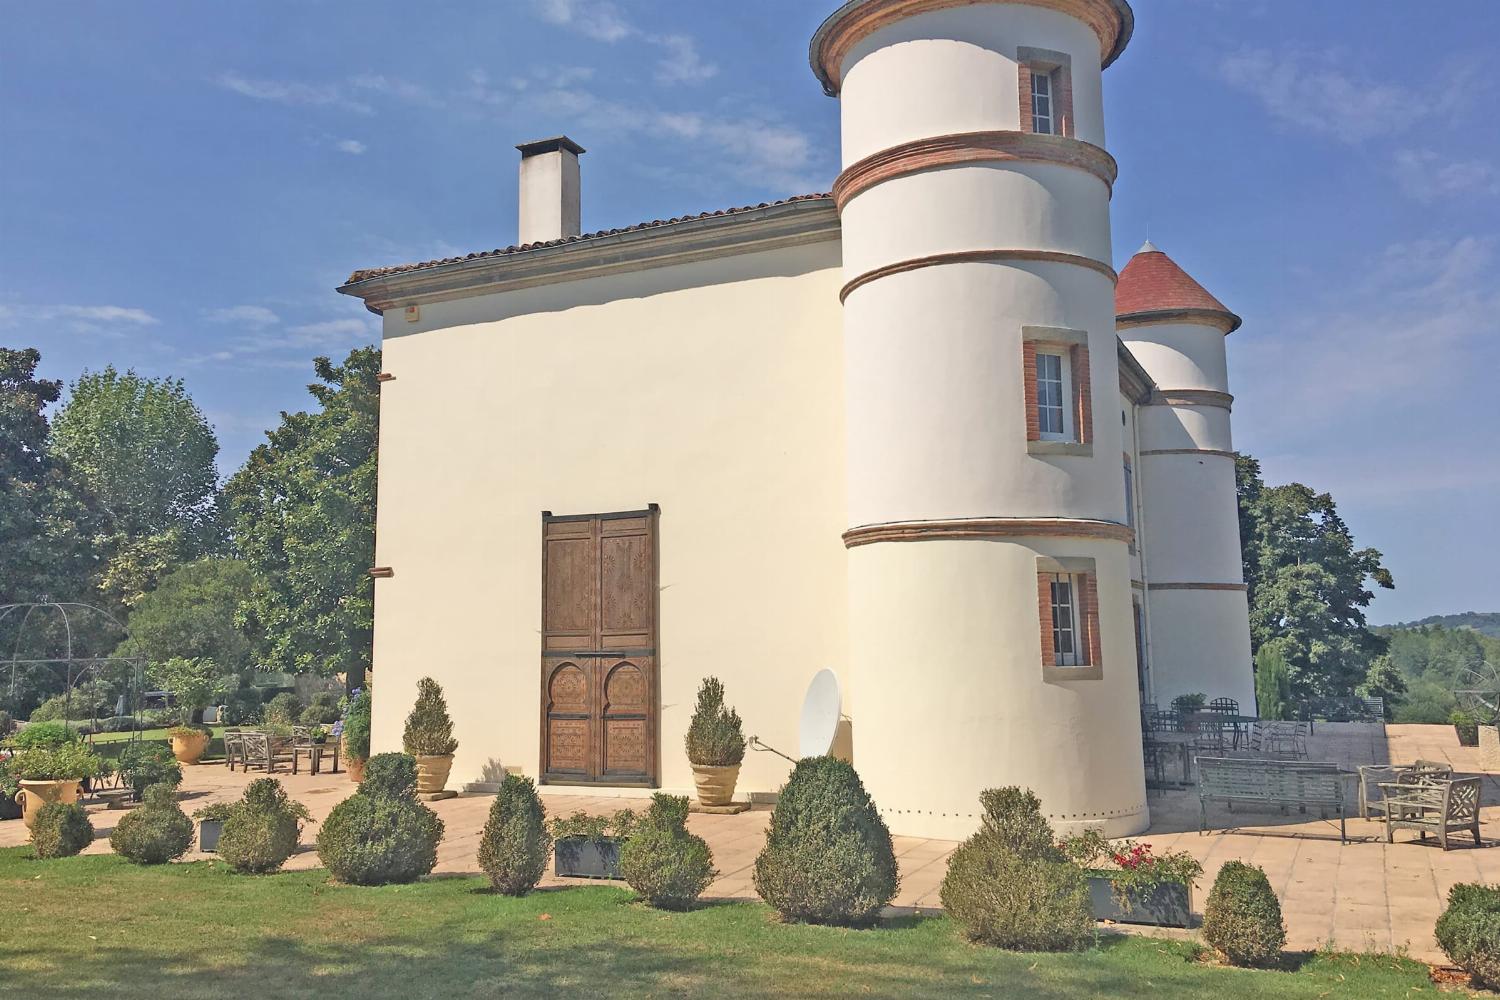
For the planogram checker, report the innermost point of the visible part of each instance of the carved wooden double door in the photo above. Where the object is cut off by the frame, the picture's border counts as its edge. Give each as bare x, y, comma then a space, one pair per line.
599, 621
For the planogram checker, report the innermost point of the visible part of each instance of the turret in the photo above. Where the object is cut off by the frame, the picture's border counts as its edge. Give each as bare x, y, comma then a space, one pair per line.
990, 622
1200, 633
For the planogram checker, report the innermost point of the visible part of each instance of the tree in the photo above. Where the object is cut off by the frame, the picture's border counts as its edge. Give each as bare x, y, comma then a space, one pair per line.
1273, 684
46, 519
303, 513
1307, 584
193, 683
191, 613
144, 449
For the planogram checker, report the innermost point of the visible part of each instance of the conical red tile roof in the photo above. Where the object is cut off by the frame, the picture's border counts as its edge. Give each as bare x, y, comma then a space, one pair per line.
1153, 286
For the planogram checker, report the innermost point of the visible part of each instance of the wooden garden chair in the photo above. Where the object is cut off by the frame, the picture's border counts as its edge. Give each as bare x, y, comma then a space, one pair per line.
1433, 806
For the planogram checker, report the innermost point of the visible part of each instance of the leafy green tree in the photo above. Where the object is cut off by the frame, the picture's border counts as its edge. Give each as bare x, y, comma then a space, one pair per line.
1384, 681
1307, 584
191, 613
303, 513
193, 682
144, 449
46, 519
1273, 684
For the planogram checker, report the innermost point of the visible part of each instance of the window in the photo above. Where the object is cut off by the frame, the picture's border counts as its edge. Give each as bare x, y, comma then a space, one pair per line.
1041, 102
1130, 502
1065, 645
1053, 394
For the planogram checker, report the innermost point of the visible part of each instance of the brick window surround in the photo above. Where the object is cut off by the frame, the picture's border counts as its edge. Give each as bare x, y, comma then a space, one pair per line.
1075, 344
1086, 613
1059, 65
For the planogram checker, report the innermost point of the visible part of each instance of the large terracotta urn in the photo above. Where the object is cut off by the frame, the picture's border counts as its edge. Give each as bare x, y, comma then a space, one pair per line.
432, 772
35, 794
188, 747
355, 766
715, 784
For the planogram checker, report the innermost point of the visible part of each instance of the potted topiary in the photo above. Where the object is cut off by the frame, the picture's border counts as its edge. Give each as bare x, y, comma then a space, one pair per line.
51, 774
715, 745
355, 732
1141, 887
429, 739
585, 846
1465, 727
211, 825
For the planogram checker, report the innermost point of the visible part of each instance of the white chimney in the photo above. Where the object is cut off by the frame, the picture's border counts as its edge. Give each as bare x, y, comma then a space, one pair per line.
549, 190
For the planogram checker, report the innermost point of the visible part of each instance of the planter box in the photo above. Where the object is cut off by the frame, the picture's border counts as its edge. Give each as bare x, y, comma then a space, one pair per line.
209, 832
1468, 734
587, 857
1168, 905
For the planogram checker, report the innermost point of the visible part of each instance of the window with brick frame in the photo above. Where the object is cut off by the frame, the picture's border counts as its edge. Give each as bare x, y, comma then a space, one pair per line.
1068, 613
1058, 390
1046, 91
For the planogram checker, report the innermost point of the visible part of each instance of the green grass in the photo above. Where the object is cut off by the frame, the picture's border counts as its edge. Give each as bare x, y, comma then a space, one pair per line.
99, 927
149, 735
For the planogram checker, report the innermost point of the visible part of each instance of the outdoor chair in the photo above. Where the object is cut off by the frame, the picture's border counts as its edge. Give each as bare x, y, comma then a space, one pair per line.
1395, 774
1225, 706
255, 751
234, 747
302, 746
1433, 806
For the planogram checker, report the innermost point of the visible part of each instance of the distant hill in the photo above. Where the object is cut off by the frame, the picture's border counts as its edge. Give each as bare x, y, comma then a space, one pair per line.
1483, 622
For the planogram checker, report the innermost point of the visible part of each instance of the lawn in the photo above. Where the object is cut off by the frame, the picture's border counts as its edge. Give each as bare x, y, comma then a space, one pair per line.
98, 926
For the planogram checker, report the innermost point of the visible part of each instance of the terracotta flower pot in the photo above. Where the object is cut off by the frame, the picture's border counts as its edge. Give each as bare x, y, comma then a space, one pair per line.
716, 784
432, 773
189, 749
356, 768
35, 794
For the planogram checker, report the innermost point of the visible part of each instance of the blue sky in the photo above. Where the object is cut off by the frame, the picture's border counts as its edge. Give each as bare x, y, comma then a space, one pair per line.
183, 184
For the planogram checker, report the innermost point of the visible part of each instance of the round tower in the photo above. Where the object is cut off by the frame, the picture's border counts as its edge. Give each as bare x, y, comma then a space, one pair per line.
1196, 597
990, 609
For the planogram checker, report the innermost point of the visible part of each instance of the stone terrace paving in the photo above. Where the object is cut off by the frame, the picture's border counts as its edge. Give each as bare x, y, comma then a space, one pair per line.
1361, 896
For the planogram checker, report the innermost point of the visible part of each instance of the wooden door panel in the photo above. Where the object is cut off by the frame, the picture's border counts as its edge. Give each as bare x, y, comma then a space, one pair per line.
626, 710
570, 720
599, 620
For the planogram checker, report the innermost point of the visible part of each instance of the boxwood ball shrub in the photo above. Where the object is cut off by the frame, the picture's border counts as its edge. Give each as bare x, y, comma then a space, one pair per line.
828, 856
62, 829
381, 834
668, 866
262, 829
514, 847
1469, 932
1242, 918
283, 710
1011, 886
155, 832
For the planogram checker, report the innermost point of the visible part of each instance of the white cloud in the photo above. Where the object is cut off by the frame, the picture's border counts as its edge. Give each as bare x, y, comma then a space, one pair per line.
294, 93
1309, 90
601, 20
333, 330
251, 316
351, 146
405, 91
597, 19
105, 321
1428, 176
288, 347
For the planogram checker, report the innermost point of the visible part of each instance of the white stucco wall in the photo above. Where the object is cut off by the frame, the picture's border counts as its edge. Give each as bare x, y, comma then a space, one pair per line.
955, 70
712, 389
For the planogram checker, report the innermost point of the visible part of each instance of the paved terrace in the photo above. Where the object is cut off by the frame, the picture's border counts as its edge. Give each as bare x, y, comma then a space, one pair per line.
1364, 895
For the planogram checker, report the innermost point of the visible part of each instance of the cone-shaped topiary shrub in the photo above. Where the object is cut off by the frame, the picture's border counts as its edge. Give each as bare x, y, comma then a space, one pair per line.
154, 832
715, 737
1469, 932
62, 829
828, 856
1242, 917
262, 829
668, 866
429, 730
513, 850
1011, 886
381, 834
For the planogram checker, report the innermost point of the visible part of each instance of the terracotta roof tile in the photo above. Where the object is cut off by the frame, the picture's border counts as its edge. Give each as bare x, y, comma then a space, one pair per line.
376, 272
1152, 282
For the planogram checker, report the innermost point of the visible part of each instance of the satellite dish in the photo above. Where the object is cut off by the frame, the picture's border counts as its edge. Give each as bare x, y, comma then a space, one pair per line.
820, 715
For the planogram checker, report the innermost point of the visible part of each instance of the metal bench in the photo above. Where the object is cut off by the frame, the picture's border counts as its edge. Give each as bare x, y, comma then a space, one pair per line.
1281, 783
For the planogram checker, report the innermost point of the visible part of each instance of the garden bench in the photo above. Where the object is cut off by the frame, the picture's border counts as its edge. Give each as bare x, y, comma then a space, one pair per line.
1281, 783
1433, 806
